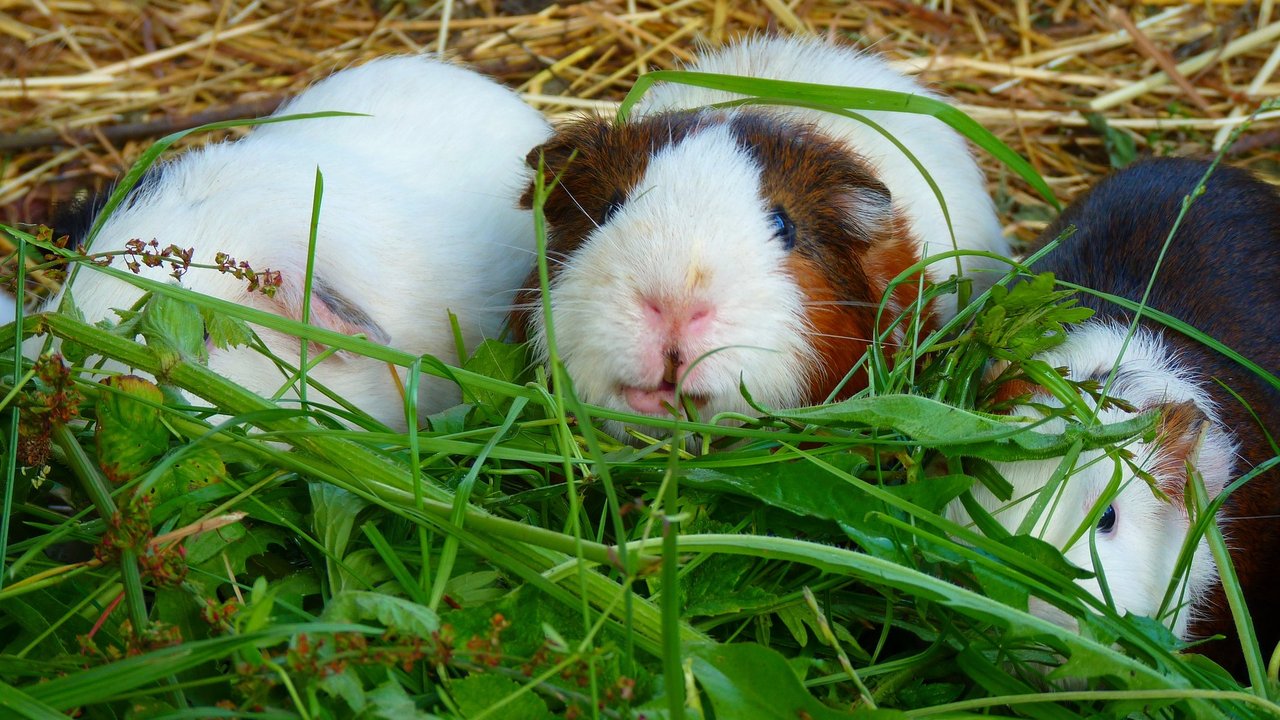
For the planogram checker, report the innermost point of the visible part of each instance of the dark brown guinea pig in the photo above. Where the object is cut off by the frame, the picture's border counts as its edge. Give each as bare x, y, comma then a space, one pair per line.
1221, 274
718, 247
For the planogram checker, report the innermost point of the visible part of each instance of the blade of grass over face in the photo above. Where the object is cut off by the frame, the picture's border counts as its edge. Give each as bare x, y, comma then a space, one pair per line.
849, 99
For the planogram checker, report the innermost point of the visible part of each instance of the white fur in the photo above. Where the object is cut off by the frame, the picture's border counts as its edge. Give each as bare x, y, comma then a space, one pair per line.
1140, 553
419, 217
939, 149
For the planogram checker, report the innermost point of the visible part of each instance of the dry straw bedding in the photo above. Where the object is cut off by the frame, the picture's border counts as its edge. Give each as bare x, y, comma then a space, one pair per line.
86, 85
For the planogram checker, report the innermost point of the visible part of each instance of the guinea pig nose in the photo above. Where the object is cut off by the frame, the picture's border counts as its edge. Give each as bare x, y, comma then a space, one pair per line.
679, 315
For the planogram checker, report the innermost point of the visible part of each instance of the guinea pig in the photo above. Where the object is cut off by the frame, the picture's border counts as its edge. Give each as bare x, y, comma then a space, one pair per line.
420, 216
1221, 274
715, 247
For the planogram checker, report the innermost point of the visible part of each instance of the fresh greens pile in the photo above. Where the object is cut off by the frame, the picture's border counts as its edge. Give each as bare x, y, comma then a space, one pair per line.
186, 549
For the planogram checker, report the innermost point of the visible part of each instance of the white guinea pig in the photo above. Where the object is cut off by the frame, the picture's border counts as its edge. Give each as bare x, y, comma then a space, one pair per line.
767, 234
419, 217
1138, 537
1220, 274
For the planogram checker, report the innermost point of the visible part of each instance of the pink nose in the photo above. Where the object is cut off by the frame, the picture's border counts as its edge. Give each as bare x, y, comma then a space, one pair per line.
678, 317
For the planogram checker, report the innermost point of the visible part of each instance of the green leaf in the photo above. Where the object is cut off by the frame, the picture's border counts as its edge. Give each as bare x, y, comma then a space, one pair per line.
193, 471
716, 587
1121, 149
389, 701
405, 616
225, 331
998, 681
450, 420
237, 542
1028, 318
746, 681
959, 432
333, 518
475, 588
129, 434
478, 694
345, 685
13, 700
174, 330
1046, 554
496, 359
796, 488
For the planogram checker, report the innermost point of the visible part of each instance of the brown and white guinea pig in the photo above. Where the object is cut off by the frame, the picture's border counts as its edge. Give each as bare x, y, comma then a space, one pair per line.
1222, 276
420, 216
766, 234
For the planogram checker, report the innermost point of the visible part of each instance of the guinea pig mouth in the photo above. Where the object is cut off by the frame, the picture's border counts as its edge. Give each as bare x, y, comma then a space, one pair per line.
656, 400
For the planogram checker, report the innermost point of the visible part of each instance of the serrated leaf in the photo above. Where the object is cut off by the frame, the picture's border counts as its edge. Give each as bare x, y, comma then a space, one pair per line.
478, 693
174, 330
129, 435
495, 359
406, 616
237, 542
191, 472
225, 331
389, 701
475, 588
1027, 318
363, 568
345, 685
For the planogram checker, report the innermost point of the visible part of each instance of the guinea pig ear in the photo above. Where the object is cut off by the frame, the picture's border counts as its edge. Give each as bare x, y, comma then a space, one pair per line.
557, 154
1186, 436
866, 209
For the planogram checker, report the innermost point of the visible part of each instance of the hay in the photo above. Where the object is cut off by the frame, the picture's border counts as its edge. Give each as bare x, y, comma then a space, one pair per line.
86, 85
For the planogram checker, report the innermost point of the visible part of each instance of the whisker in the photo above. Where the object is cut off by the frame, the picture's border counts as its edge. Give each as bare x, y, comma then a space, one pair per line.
552, 256
843, 303
585, 214
885, 343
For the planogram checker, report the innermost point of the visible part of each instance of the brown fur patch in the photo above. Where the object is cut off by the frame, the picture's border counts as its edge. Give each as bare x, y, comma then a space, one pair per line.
1181, 425
840, 337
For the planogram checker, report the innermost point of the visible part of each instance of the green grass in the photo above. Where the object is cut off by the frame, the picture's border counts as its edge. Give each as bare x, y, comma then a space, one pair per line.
508, 560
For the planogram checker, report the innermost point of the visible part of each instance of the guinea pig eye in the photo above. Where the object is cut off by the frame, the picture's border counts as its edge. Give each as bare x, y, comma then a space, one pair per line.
783, 228
1107, 522
612, 207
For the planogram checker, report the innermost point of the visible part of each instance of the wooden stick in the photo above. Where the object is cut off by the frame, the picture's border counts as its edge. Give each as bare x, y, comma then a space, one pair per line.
132, 131
1161, 58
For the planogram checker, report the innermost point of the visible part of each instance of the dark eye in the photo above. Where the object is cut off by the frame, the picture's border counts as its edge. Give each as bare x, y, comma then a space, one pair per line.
1107, 522
612, 207
783, 228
